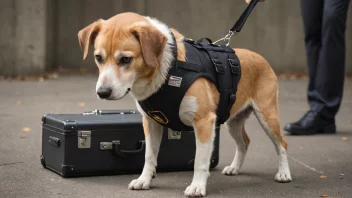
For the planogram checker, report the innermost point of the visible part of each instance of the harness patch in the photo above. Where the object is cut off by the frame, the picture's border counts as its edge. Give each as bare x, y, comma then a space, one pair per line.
158, 116
175, 81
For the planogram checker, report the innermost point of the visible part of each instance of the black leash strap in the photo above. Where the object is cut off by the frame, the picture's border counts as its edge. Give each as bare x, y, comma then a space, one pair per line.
239, 23
243, 18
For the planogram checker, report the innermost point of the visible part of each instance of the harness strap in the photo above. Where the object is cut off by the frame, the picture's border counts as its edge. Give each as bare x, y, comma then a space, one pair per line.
242, 20
225, 88
234, 63
239, 23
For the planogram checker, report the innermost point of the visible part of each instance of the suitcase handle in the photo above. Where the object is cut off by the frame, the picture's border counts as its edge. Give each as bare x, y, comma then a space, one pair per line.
107, 112
124, 153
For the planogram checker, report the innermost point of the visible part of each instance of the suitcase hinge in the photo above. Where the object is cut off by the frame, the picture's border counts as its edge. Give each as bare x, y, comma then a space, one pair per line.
106, 146
84, 139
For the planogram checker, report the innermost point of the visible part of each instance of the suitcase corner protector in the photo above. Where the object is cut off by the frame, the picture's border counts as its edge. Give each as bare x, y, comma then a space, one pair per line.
42, 161
70, 125
214, 162
66, 169
44, 117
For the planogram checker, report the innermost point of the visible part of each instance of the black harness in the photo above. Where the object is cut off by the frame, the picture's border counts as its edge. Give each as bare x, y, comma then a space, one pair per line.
217, 63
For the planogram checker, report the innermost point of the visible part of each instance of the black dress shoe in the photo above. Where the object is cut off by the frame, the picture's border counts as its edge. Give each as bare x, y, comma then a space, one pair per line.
311, 123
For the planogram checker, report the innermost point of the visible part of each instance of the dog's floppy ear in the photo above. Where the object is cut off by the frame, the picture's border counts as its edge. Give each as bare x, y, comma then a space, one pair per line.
152, 43
87, 36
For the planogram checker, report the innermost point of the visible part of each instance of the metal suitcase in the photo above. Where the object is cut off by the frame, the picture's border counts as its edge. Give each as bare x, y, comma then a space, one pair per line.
111, 142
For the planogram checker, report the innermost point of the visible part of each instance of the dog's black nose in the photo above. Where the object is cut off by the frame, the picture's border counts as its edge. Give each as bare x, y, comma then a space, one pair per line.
104, 92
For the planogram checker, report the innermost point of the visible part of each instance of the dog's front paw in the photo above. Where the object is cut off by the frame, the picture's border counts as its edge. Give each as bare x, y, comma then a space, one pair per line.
229, 170
139, 184
195, 191
283, 177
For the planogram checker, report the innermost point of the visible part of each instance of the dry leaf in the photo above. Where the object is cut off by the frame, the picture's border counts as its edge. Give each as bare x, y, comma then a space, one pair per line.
26, 129
83, 70
20, 78
53, 76
41, 79
323, 176
324, 196
344, 138
283, 76
293, 76
82, 104
19, 102
304, 77
22, 136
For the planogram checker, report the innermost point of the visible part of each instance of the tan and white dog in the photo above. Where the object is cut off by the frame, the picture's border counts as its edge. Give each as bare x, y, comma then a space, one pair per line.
132, 55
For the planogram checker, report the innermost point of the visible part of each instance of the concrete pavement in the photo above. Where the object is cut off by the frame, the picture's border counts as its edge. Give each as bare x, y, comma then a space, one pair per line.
21, 174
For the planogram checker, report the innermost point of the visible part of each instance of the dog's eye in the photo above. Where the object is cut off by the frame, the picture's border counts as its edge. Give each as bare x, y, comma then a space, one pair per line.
99, 58
125, 60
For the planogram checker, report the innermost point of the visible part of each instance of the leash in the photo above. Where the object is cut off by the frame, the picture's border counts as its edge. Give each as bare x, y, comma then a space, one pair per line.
239, 23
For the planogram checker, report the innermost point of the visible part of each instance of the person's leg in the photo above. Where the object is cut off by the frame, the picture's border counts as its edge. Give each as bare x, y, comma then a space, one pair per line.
329, 76
312, 15
324, 28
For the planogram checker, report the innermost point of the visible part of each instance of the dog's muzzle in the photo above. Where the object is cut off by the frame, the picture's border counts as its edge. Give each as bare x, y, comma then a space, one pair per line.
105, 93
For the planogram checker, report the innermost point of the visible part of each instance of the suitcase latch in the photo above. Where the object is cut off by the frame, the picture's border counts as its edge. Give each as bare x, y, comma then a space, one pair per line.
174, 135
84, 139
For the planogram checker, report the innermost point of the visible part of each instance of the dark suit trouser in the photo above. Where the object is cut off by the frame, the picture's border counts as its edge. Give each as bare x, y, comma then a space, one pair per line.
324, 28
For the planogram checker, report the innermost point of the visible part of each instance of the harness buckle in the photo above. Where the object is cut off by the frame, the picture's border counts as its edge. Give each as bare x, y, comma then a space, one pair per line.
235, 68
218, 65
189, 40
227, 38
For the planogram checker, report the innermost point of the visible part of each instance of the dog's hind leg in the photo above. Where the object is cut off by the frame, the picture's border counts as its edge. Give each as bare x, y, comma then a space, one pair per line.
267, 115
205, 133
153, 134
236, 129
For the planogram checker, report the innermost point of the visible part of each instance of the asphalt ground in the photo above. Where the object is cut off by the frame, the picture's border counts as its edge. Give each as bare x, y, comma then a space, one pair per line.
22, 104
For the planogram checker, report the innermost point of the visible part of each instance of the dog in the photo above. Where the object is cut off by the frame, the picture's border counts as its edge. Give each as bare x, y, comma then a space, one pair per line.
133, 56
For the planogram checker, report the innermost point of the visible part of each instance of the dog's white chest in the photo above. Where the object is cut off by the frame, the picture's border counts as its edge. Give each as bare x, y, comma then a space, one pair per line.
188, 108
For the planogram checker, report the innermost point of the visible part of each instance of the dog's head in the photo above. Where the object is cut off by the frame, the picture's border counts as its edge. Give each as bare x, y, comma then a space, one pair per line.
127, 48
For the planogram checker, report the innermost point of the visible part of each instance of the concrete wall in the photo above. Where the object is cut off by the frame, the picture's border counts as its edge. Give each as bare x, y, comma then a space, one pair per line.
24, 37
274, 29
33, 29
74, 16
7, 30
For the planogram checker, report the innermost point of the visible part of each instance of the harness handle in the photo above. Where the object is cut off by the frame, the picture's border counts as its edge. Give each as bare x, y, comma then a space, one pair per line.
239, 23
